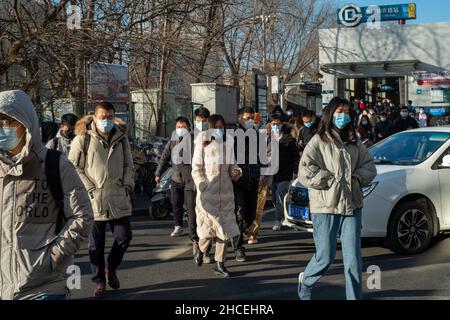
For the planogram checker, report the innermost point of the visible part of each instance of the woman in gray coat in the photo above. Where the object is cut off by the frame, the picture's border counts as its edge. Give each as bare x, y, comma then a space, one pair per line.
335, 166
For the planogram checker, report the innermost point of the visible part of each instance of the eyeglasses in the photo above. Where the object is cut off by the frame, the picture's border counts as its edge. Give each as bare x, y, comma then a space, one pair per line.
8, 123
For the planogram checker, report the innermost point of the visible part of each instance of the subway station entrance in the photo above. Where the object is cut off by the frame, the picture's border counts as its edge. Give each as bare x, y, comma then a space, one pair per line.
372, 89
373, 81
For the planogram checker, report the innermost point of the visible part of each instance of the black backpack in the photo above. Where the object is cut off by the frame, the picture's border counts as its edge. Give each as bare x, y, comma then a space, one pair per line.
52, 173
55, 143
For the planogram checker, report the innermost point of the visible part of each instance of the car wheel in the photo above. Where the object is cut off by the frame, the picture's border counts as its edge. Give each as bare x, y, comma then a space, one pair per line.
160, 210
410, 230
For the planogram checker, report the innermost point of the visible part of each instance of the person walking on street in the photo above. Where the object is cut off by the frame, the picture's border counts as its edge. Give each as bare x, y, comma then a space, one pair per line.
102, 156
308, 131
290, 115
246, 188
182, 188
365, 131
65, 135
265, 182
288, 158
404, 121
213, 170
45, 215
383, 129
201, 118
422, 118
335, 167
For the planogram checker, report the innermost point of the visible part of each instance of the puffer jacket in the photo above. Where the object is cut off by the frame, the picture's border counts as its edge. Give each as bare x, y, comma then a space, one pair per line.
215, 196
33, 258
335, 174
106, 170
63, 143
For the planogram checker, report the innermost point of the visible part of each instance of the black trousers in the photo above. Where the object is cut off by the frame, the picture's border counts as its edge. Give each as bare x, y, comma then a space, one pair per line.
121, 229
178, 197
245, 200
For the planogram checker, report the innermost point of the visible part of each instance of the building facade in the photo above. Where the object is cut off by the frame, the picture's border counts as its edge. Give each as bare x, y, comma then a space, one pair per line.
396, 61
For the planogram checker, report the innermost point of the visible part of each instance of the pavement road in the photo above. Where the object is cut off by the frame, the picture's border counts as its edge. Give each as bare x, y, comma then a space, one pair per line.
158, 266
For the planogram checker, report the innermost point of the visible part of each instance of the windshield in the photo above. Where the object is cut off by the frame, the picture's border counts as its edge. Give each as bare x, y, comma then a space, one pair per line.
408, 148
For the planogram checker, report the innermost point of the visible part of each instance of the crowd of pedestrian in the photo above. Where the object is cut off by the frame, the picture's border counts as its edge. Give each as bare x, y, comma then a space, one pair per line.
57, 196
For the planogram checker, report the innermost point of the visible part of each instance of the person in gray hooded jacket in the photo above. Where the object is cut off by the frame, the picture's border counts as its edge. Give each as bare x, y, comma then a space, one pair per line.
34, 255
65, 134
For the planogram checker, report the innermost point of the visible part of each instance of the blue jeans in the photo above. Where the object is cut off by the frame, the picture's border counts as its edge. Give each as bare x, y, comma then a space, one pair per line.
327, 227
279, 191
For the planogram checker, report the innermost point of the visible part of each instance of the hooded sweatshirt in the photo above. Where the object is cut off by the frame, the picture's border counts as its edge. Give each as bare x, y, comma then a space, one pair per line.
63, 143
33, 258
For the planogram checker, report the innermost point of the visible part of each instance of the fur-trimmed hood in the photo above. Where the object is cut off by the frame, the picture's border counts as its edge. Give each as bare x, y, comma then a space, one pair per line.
84, 124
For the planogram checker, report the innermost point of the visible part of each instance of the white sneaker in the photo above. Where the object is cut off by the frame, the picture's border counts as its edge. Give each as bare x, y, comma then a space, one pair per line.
304, 293
277, 226
252, 240
178, 231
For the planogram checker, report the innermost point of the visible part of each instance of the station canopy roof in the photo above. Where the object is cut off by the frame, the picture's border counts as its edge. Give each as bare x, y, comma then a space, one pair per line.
377, 69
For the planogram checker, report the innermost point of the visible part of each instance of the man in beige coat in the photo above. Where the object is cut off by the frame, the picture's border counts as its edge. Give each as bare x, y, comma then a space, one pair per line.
102, 155
34, 252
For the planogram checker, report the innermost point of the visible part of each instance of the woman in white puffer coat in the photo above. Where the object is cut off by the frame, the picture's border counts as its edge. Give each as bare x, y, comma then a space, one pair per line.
213, 170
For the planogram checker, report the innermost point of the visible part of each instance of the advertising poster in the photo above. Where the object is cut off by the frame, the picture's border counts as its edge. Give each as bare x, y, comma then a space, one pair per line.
108, 82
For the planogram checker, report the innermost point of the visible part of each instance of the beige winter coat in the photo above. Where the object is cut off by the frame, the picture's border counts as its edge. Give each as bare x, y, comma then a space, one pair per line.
335, 174
34, 259
215, 197
106, 170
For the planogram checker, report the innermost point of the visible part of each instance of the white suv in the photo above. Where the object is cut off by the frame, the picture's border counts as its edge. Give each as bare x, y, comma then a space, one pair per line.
408, 203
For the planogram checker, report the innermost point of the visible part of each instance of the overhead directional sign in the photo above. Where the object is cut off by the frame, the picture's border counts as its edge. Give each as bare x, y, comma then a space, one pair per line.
352, 15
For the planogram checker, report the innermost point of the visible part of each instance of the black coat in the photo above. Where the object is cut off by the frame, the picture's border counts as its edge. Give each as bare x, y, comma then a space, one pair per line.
383, 128
288, 157
305, 135
250, 172
401, 124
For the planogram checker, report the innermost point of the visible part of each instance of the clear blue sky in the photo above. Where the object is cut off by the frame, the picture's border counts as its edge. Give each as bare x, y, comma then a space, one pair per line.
427, 11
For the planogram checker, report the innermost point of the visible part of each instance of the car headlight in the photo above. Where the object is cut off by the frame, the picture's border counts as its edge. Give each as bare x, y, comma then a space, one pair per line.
367, 190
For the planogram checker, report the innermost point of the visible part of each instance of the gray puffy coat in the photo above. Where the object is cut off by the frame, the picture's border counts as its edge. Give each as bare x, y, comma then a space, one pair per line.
335, 173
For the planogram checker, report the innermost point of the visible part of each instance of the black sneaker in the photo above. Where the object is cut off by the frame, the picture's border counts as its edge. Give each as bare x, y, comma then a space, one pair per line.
240, 255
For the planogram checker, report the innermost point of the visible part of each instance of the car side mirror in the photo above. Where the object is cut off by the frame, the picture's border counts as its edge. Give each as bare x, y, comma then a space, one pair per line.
446, 161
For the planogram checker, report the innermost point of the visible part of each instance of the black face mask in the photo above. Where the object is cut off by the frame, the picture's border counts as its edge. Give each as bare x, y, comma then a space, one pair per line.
69, 134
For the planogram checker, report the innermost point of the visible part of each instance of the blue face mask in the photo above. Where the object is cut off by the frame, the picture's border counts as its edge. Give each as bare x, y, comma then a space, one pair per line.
8, 138
308, 124
276, 128
404, 114
201, 126
249, 124
341, 120
105, 125
218, 133
181, 132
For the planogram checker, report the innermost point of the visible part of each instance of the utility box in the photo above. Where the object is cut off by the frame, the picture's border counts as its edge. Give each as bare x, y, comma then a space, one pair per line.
217, 98
145, 103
